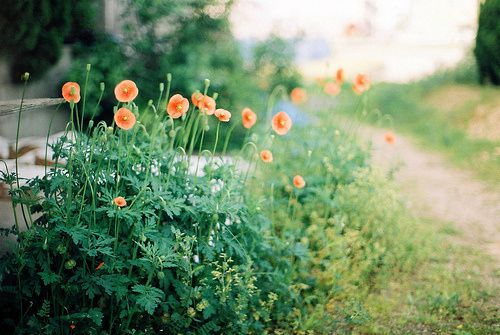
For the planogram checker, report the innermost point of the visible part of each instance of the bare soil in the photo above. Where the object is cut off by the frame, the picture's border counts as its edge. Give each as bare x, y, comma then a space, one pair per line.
435, 189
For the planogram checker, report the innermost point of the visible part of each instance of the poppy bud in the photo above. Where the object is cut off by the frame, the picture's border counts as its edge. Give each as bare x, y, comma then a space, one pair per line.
162, 87
160, 275
215, 217
102, 86
169, 122
109, 130
70, 264
88, 67
169, 77
172, 133
61, 248
207, 82
206, 127
25, 76
215, 96
91, 123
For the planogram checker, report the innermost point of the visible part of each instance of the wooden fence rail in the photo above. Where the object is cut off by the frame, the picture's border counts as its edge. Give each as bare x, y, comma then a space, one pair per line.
12, 106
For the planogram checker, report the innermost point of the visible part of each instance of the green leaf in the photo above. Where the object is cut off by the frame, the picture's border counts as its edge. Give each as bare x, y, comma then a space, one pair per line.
149, 297
49, 277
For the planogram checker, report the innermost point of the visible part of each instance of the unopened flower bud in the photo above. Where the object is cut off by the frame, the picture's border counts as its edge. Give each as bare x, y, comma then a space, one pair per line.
91, 123
61, 248
169, 122
25, 76
215, 96
109, 130
102, 86
206, 127
169, 77
70, 264
88, 67
162, 87
161, 275
172, 133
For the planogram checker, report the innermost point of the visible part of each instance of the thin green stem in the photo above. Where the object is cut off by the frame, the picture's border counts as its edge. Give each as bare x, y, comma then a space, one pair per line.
25, 77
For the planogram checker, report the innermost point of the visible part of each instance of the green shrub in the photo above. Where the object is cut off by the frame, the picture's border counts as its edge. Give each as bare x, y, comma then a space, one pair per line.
229, 251
34, 31
487, 49
274, 64
187, 254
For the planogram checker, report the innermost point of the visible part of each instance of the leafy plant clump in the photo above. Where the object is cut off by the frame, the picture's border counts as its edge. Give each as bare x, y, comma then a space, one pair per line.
130, 232
126, 233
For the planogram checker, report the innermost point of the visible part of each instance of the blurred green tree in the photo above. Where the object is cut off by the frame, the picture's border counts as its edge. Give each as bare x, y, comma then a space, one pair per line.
33, 32
487, 49
273, 63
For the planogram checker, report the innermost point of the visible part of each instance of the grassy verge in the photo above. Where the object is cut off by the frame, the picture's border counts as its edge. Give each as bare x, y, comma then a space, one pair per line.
368, 266
453, 291
459, 120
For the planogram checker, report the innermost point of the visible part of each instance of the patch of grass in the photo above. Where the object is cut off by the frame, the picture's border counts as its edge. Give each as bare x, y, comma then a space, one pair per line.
452, 292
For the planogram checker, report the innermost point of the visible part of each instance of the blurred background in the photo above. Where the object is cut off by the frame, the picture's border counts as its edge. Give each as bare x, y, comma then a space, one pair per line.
246, 47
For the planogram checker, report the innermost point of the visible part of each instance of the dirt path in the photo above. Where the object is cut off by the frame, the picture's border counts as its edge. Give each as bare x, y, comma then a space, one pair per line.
440, 191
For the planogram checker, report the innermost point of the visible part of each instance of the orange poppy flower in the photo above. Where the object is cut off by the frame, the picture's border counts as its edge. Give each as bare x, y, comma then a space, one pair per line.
71, 91
298, 95
248, 117
126, 91
389, 138
361, 84
266, 156
339, 76
223, 115
281, 123
177, 106
207, 105
299, 182
99, 266
124, 118
196, 97
120, 201
332, 89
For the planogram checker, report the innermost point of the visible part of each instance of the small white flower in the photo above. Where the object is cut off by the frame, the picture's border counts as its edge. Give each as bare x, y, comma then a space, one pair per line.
217, 185
196, 258
211, 239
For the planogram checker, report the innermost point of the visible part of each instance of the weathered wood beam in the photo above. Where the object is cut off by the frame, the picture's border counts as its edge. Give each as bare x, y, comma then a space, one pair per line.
12, 106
